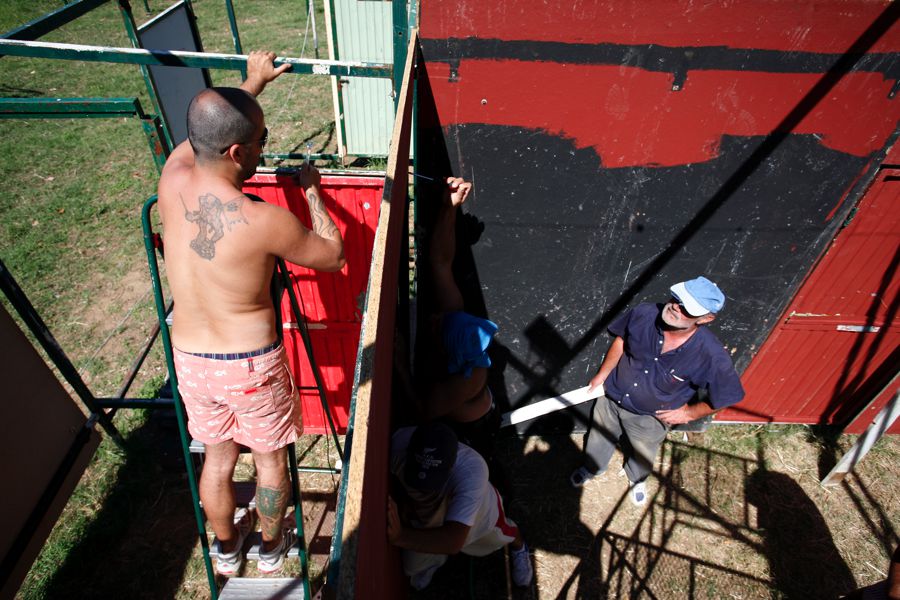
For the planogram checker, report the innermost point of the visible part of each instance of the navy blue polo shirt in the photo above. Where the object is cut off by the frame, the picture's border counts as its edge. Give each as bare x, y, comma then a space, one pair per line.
645, 380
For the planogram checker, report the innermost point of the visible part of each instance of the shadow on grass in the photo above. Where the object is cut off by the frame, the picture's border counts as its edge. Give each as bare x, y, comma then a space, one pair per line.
139, 541
716, 525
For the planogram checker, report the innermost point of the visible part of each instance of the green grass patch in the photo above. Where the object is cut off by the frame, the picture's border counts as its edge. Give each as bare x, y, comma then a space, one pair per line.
71, 193
78, 518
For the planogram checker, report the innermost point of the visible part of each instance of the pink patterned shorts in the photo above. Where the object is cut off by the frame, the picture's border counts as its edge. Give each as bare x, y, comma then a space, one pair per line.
249, 399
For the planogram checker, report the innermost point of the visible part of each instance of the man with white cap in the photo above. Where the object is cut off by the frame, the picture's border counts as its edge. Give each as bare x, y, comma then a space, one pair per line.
659, 358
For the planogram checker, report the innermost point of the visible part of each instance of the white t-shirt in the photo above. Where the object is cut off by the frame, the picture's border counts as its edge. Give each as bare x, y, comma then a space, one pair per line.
469, 499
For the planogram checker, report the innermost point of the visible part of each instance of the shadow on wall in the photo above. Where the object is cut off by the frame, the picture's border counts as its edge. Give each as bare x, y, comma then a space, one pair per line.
867, 382
552, 367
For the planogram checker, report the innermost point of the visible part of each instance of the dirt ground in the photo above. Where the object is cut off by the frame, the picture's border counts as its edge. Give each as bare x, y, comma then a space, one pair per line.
734, 513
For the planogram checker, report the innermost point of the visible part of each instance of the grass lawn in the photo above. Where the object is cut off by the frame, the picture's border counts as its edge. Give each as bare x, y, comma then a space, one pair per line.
71, 192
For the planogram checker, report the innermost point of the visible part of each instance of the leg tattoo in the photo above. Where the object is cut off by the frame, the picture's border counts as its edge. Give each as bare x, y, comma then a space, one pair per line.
270, 505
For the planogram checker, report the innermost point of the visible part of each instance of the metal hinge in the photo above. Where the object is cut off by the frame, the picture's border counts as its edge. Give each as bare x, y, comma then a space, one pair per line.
850, 216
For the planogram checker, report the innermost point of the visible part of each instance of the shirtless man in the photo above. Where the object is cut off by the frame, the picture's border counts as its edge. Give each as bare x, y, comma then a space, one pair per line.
457, 390
220, 255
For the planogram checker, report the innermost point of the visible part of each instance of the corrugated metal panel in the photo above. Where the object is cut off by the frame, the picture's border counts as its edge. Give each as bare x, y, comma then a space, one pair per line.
363, 31
809, 376
832, 351
331, 301
851, 284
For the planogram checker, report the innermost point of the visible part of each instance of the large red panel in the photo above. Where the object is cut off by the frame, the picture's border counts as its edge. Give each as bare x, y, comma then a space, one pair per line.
811, 376
788, 25
632, 117
331, 302
832, 351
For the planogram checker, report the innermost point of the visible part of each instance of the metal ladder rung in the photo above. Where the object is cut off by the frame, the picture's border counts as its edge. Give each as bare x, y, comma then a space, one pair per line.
256, 539
247, 588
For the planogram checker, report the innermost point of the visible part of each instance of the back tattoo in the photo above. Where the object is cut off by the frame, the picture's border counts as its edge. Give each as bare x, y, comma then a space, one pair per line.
211, 218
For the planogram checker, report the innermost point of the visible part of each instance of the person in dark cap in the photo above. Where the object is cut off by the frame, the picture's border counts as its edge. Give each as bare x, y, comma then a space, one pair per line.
447, 505
661, 355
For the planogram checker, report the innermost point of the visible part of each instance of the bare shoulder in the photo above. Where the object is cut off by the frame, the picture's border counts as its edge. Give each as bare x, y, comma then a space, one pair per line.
277, 228
270, 215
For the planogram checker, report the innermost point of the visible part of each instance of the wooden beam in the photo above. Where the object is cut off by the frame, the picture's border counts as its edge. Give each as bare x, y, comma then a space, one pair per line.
369, 567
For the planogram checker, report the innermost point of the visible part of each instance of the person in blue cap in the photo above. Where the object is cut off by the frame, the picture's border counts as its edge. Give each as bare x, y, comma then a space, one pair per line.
454, 387
661, 355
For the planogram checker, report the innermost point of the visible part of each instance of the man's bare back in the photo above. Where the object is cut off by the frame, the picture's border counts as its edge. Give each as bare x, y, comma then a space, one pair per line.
221, 246
220, 255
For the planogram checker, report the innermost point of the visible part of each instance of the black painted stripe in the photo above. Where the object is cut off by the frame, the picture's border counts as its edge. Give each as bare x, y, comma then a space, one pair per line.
651, 57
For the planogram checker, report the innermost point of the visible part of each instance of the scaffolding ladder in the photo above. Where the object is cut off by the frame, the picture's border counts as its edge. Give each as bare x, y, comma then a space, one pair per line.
241, 587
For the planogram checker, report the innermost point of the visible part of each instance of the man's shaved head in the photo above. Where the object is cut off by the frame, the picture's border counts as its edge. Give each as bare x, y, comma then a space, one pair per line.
219, 117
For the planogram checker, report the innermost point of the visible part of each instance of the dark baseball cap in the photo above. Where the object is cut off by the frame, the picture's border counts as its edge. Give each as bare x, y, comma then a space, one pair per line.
430, 457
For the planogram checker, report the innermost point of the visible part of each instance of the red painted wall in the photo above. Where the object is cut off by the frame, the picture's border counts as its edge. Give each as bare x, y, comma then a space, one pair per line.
836, 346
647, 123
331, 301
772, 25
730, 138
628, 113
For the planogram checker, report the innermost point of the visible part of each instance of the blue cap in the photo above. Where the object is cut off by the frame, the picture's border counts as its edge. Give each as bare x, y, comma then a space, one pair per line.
699, 296
466, 340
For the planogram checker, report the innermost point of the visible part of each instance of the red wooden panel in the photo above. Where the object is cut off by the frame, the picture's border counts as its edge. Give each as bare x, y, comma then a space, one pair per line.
331, 301
822, 26
832, 351
811, 376
686, 127
334, 348
854, 282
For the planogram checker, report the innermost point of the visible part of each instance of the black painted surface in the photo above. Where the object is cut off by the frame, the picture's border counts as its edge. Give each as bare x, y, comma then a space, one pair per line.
552, 245
655, 57
175, 86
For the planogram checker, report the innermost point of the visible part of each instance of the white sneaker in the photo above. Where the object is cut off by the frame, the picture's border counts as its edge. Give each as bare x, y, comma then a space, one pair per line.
522, 571
229, 564
272, 562
639, 493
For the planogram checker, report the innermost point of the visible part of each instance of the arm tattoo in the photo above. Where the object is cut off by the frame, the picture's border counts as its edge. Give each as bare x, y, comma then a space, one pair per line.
212, 217
270, 506
321, 220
